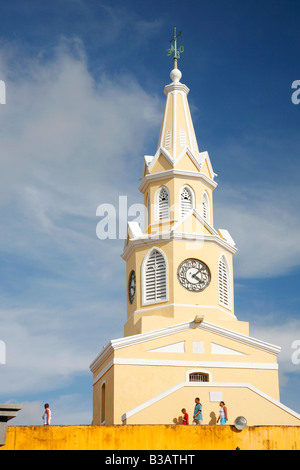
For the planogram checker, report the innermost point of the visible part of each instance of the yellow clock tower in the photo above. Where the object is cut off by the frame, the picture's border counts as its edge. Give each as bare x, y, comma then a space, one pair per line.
182, 338
181, 266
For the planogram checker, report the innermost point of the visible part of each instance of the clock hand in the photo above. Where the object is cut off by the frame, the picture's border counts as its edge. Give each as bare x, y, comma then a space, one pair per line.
194, 276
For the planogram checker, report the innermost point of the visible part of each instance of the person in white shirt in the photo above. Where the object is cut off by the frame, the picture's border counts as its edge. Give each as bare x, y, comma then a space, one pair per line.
47, 415
223, 413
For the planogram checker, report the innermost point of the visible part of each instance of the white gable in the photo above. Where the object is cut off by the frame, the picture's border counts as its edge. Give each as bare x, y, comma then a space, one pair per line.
218, 349
171, 348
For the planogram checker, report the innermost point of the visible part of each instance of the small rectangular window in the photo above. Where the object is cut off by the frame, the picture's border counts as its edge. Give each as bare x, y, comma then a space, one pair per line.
198, 377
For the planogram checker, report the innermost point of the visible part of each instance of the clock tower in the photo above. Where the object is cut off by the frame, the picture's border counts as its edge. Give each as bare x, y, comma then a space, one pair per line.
182, 338
180, 265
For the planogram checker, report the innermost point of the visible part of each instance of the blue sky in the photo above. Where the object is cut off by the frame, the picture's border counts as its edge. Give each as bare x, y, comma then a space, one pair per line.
84, 103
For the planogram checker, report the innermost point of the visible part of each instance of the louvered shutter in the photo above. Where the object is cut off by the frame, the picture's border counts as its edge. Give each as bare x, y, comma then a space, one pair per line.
163, 204
155, 278
224, 283
205, 207
186, 202
168, 139
182, 138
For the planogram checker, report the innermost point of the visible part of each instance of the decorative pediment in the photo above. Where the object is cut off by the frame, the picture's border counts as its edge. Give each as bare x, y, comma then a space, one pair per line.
170, 348
193, 222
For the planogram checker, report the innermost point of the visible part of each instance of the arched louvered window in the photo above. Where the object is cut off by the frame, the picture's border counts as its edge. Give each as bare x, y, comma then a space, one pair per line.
186, 200
224, 283
163, 207
205, 207
154, 277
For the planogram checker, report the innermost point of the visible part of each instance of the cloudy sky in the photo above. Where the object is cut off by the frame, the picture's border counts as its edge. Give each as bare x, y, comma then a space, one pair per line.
84, 102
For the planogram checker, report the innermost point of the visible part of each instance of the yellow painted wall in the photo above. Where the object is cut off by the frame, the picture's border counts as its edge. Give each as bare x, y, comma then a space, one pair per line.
152, 438
176, 252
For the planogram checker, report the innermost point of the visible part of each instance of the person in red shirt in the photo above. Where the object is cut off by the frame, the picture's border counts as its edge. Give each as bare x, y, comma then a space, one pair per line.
185, 418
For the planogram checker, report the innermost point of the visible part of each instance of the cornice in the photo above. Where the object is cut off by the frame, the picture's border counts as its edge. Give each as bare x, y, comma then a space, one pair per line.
147, 179
178, 236
179, 328
176, 86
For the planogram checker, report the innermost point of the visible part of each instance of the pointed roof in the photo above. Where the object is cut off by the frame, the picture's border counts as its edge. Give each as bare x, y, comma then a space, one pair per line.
177, 139
177, 130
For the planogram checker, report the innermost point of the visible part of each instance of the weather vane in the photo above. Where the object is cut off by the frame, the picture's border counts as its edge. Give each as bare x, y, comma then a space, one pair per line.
173, 49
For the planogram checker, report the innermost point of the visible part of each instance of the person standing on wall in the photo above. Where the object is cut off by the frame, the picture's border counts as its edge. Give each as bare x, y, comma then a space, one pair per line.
185, 419
223, 418
197, 416
47, 415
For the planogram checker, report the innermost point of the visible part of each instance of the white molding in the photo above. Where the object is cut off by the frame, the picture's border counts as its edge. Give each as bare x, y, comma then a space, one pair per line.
201, 219
178, 348
185, 106
173, 160
103, 371
159, 307
147, 179
222, 350
170, 235
198, 161
181, 327
173, 389
176, 86
174, 110
161, 151
205, 156
212, 364
226, 235
164, 122
197, 365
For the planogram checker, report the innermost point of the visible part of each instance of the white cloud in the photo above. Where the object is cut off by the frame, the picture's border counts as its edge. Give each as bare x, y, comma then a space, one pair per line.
265, 225
69, 142
45, 348
283, 334
68, 409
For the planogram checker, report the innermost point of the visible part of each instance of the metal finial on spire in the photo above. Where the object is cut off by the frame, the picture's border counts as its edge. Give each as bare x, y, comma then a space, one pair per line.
173, 49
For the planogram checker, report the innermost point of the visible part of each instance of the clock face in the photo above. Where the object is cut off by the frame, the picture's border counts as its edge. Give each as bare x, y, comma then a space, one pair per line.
131, 286
194, 275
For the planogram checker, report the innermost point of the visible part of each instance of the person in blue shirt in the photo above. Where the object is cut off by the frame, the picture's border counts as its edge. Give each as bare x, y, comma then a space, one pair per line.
197, 416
